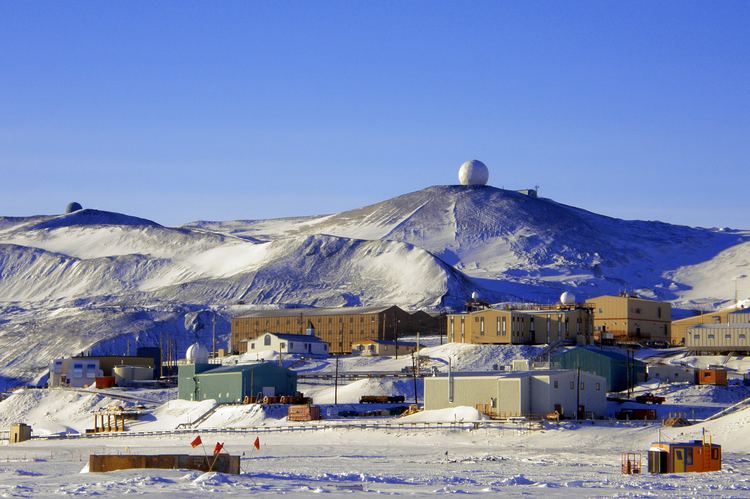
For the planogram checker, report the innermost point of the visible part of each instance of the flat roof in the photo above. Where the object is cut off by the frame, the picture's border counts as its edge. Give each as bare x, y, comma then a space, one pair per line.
296, 312
510, 374
234, 369
304, 338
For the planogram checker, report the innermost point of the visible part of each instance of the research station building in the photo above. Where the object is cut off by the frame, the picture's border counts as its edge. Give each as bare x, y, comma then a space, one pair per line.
339, 327
628, 319
528, 393
734, 336
231, 384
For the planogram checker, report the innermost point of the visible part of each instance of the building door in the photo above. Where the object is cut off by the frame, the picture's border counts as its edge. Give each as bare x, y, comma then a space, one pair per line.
679, 461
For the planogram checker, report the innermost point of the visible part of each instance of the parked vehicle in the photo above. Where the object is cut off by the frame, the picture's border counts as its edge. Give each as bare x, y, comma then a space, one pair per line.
649, 398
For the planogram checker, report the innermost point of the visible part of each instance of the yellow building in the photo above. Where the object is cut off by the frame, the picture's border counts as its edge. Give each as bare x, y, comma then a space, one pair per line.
573, 324
680, 327
629, 319
383, 348
490, 326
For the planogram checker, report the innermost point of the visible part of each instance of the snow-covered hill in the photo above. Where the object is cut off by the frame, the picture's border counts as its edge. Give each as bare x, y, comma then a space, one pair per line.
95, 279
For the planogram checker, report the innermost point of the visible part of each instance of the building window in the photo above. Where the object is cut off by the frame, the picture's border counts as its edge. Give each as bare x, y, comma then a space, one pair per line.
267, 340
696, 336
555, 384
505, 327
711, 337
598, 387
252, 346
572, 385
497, 333
78, 370
717, 319
581, 385
481, 326
658, 312
727, 336
282, 345
742, 336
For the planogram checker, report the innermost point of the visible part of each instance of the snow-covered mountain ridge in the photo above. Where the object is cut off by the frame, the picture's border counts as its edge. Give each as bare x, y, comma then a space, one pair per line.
99, 279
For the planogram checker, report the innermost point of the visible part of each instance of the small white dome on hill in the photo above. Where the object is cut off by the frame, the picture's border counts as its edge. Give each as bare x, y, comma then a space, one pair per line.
568, 299
196, 354
473, 172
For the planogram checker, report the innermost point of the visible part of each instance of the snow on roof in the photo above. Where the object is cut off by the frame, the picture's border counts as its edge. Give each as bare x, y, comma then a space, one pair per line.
387, 342
235, 369
304, 338
296, 312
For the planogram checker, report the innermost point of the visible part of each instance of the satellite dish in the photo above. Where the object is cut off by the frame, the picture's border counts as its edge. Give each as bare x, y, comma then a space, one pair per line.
73, 207
568, 299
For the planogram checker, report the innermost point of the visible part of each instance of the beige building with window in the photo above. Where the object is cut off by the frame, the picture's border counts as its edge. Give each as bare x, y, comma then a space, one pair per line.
734, 336
680, 328
383, 348
339, 327
521, 394
495, 326
624, 319
490, 326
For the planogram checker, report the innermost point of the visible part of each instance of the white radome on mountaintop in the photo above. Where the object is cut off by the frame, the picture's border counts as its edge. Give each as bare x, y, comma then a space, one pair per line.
473, 172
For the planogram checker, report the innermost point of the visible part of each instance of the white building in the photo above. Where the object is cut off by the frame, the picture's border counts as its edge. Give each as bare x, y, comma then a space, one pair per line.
533, 393
75, 373
670, 373
303, 344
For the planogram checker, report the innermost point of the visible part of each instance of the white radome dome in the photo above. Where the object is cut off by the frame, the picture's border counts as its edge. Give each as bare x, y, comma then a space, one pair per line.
475, 295
568, 299
196, 354
473, 172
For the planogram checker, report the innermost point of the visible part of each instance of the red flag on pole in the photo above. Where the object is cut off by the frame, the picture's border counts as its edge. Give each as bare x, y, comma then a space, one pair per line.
195, 443
217, 448
256, 444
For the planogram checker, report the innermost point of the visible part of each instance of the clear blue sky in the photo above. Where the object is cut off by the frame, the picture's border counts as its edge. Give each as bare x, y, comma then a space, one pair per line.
178, 111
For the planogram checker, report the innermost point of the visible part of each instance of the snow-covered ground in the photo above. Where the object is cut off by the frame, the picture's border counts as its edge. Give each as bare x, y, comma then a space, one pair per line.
566, 461
412, 456
101, 281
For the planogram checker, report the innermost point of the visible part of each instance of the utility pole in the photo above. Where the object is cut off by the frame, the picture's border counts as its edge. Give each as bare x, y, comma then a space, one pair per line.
336, 384
414, 375
578, 392
213, 336
395, 332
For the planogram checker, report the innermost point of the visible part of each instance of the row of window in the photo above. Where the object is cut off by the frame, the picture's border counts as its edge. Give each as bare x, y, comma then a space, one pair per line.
727, 336
597, 386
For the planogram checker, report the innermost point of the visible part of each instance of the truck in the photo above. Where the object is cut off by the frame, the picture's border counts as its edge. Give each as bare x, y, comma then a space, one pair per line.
649, 398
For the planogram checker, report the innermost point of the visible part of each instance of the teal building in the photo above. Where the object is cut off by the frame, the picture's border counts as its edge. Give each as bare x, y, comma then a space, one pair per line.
611, 365
231, 384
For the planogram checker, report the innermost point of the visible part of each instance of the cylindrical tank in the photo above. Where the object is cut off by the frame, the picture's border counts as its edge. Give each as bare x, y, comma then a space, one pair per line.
125, 374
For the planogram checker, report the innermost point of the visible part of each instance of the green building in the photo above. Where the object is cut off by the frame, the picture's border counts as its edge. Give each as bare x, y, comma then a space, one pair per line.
230, 384
612, 366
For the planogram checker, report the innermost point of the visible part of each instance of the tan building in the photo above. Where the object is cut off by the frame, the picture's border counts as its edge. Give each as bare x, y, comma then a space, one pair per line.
383, 348
624, 319
495, 326
562, 324
680, 328
490, 326
339, 327
520, 394
734, 336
